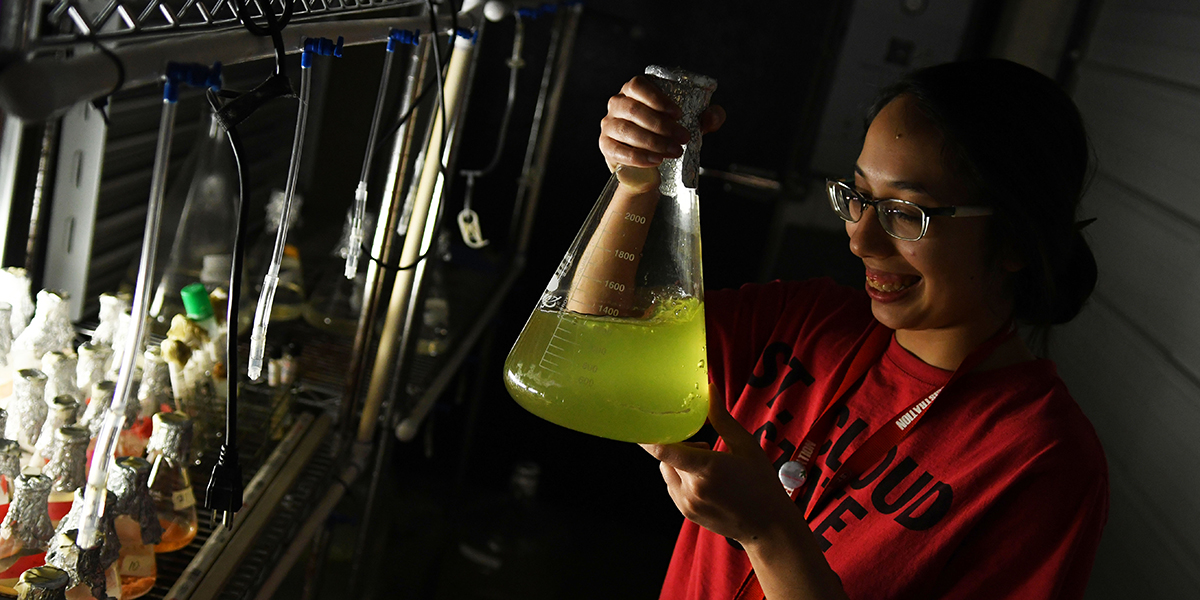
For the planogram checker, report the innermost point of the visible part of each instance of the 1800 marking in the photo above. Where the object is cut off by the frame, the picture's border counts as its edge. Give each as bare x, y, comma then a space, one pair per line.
625, 255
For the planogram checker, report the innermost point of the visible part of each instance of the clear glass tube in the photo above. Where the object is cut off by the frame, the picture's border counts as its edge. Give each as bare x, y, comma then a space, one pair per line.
262, 313
358, 224
114, 419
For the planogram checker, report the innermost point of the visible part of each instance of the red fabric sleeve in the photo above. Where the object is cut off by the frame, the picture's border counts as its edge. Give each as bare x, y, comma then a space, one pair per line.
1032, 544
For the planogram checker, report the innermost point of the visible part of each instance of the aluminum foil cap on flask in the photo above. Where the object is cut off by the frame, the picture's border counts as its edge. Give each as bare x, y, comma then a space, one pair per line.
83, 567
155, 389
43, 583
50, 329
27, 409
15, 289
102, 397
63, 411
28, 518
692, 93
68, 466
130, 482
171, 437
111, 308
10, 460
90, 369
107, 551
6, 335
60, 369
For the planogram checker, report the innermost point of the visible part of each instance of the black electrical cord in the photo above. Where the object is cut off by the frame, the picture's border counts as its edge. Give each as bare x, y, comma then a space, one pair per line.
224, 491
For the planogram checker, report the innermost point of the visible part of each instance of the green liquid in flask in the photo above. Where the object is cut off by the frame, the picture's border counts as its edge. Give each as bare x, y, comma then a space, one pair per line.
633, 380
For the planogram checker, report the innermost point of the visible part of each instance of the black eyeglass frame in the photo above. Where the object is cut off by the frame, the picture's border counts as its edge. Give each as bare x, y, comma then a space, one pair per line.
831, 185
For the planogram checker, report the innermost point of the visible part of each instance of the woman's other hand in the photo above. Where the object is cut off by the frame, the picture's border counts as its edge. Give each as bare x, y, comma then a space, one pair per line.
736, 493
641, 128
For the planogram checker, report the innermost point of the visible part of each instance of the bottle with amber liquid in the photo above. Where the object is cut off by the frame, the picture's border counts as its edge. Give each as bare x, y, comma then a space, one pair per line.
93, 571
170, 484
137, 525
26, 531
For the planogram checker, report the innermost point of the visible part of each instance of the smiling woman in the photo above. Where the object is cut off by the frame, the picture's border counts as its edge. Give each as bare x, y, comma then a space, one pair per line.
962, 210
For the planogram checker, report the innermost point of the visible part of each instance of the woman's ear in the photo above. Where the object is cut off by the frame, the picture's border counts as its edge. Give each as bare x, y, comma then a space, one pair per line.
1009, 259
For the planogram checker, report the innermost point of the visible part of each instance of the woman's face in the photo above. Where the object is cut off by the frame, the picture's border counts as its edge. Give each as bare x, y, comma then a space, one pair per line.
946, 280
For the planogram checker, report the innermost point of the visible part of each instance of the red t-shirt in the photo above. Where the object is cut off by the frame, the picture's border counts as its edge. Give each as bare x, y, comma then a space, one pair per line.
1000, 491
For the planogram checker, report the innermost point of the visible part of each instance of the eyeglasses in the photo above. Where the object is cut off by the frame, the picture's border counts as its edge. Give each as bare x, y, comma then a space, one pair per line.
901, 219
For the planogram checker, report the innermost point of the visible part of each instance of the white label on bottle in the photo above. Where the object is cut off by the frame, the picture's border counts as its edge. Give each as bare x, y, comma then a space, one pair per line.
183, 499
137, 565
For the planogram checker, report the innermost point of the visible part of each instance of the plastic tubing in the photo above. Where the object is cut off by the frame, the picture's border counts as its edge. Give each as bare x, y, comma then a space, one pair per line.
262, 313
106, 442
357, 224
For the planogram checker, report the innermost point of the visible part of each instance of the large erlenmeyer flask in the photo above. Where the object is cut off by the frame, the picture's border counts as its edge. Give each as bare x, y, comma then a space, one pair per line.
208, 193
616, 345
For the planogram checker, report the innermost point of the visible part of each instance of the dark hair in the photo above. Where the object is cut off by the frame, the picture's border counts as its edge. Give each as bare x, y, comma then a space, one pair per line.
1019, 140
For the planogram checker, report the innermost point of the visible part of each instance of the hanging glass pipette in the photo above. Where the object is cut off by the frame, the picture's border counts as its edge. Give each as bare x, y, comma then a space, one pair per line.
262, 313
358, 224
106, 441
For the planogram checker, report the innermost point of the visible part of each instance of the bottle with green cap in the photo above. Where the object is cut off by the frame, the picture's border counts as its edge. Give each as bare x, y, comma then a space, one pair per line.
199, 310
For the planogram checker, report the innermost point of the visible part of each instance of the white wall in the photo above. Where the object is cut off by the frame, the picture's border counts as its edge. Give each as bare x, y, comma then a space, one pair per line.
1132, 358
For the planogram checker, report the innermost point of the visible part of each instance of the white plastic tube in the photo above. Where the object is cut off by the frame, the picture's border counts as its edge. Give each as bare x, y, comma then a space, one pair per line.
106, 441
262, 313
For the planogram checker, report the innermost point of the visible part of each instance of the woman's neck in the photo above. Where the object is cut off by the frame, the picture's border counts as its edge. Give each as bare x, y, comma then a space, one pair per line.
948, 348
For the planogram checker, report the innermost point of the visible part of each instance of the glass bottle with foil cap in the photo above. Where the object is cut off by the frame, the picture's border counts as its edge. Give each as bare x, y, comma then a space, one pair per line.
616, 345
17, 290
27, 408
137, 525
67, 468
10, 469
50, 330
43, 583
89, 370
63, 411
6, 340
170, 483
101, 399
26, 531
112, 306
336, 302
154, 392
61, 371
93, 571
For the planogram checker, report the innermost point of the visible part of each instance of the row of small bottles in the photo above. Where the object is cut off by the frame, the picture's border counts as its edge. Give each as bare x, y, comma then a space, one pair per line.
150, 509
53, 400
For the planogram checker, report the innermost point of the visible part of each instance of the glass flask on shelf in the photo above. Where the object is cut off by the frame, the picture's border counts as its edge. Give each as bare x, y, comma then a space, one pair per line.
50, 330
137, 525
63, 411
43, 583
335, 302
170, 483
26, 531
93, 571
67, 469
17, 290
10, 469
27, 408
208, 193
6, 340
616, 345
288, 304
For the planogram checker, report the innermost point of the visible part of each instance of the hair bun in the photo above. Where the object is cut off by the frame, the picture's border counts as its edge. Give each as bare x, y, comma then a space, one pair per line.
1074, 279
